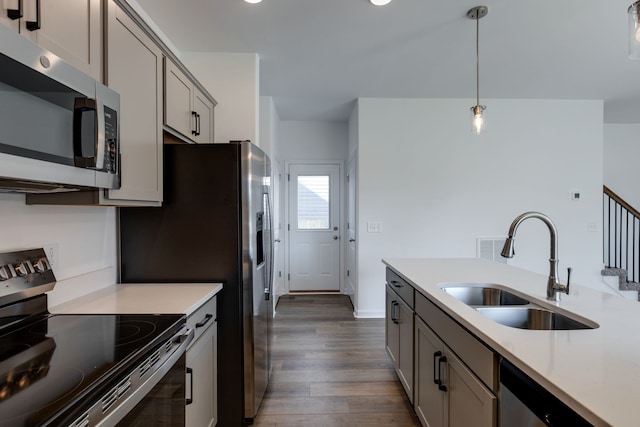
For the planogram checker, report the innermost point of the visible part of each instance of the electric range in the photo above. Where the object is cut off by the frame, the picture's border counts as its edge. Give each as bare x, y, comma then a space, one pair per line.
79, 370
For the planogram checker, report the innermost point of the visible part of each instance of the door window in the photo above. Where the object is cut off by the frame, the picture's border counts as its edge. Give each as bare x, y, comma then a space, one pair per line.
313, 202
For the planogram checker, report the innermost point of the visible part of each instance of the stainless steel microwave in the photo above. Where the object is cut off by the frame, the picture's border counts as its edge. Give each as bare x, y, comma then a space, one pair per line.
58, 125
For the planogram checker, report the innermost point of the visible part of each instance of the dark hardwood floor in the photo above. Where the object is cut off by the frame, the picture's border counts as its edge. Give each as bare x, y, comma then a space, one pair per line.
330, 369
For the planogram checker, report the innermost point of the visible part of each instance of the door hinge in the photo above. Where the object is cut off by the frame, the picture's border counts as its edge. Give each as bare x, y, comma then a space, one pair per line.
288, 177
288, 227
347, 273
289, 276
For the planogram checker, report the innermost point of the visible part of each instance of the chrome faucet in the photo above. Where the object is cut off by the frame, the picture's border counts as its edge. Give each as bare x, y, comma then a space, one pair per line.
554, 288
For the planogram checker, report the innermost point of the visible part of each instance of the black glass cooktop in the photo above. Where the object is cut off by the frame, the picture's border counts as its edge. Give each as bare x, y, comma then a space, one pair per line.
51, 366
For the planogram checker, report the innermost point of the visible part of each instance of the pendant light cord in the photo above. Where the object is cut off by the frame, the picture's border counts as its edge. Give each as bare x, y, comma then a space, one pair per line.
477, 59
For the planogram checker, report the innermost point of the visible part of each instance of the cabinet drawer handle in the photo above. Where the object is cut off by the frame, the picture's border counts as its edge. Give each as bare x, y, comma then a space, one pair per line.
35, 25
204, 321
197, 124
396, 283
15, 13
441, 360
436, 355
189, 400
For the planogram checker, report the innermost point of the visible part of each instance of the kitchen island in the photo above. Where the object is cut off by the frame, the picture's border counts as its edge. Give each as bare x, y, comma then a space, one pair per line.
595, 372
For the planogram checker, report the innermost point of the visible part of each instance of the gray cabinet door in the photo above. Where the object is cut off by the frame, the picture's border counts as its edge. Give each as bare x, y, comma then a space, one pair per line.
429, 399
469, 402
404, 366
392, 337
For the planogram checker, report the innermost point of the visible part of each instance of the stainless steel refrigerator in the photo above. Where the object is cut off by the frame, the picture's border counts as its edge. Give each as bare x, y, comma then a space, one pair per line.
214, 226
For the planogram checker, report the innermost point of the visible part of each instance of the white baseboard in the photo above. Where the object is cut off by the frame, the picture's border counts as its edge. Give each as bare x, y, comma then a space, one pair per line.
368, 314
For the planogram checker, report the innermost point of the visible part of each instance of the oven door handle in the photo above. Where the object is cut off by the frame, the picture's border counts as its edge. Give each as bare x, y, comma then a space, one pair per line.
189, 399
184, 337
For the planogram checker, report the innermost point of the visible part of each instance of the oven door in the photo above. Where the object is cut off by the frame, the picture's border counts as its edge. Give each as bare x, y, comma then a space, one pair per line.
160, 400
164, 405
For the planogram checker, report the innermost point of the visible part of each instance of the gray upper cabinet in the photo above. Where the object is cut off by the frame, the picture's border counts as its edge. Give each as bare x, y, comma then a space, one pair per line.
188, 112
134, 69
71, 29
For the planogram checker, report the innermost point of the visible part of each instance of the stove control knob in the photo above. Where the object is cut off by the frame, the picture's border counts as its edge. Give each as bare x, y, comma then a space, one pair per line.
5, 273
42, 265
24, 268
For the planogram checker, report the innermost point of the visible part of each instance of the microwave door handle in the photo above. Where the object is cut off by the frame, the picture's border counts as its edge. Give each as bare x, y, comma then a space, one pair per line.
15, 13
85, 153
35, 25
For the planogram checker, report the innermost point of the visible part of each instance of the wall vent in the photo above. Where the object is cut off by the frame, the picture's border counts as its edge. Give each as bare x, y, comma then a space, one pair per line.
490, 248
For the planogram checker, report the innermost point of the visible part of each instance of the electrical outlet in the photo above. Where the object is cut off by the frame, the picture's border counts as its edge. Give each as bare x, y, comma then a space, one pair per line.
51, 251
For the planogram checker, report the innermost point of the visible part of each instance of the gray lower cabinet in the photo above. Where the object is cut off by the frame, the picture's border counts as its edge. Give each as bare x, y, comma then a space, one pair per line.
447, 393
399, 338
449, 375
202, 389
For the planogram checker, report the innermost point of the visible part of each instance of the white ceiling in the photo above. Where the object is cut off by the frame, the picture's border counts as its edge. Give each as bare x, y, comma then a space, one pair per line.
317, 56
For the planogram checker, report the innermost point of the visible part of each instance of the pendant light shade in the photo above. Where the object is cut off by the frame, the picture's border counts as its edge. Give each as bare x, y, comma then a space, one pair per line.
478, 120
634, 31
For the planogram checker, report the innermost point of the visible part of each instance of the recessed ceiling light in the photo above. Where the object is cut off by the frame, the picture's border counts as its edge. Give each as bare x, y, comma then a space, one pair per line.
380, 2
253, 1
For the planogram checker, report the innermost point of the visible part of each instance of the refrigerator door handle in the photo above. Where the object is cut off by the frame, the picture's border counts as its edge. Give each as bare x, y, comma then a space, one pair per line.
269, 288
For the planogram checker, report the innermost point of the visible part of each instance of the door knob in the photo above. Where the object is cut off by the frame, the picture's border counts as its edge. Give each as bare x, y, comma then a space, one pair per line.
335, 237
335, 228
352, 240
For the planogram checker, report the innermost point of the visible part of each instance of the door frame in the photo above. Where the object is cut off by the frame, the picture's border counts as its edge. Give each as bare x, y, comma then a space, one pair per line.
341, 217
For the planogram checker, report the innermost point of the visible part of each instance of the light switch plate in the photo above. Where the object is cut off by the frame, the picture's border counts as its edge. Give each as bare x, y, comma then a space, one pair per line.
374, 227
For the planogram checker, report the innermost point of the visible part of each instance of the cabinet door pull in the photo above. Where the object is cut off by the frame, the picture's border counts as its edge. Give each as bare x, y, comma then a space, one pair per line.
197, 124
396, 283
15, 13
436, 357
35, 25
394, 315
189, 400
204, 321
194, 123
441, 360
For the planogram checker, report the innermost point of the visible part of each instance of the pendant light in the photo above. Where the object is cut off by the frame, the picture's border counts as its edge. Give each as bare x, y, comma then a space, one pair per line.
477, 111
634, 30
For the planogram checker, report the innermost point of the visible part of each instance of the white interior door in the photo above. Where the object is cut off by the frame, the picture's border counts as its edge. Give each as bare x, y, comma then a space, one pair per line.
314, 227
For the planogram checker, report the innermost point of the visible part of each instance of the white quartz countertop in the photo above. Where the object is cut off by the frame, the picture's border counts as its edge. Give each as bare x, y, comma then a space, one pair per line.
147, 298
595, 371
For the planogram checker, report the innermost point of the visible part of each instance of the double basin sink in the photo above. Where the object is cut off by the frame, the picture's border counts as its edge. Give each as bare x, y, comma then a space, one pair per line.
509, 309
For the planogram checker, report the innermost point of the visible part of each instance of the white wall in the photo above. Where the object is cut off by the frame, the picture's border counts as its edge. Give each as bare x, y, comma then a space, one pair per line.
436, 187
86, 238
621, 156
232, 79
301, 140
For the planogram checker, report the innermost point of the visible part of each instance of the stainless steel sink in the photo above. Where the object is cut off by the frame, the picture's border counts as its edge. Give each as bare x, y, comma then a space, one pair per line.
484, 295
533, 317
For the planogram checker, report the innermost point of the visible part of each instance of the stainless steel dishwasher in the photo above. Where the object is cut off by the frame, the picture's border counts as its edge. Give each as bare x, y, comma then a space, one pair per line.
525, 403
